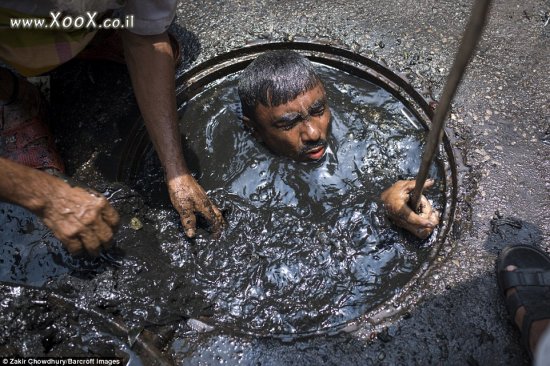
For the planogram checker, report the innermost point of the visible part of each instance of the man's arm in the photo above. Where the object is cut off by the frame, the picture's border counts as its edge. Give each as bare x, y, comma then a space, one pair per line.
151, 65
82, 220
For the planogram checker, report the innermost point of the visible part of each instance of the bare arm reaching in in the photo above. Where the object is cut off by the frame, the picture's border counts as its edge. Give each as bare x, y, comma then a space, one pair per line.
151, 65
83, 220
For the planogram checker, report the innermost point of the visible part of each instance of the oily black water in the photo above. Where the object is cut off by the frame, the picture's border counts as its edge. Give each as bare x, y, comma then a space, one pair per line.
307, 246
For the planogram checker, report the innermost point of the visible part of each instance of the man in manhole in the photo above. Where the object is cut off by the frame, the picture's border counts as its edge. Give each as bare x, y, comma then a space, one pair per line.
285, 107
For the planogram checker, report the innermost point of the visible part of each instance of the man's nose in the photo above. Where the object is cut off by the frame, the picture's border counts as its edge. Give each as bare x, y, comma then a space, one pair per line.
310, 130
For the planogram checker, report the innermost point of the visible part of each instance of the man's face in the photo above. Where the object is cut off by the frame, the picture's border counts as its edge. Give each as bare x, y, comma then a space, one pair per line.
297, 129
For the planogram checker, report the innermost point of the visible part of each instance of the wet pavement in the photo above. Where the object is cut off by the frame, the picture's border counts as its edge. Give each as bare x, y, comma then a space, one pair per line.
499, 125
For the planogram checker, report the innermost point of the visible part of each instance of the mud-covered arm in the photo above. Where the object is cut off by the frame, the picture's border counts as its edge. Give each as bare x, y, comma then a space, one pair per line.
151, 65
81, 219
396, 199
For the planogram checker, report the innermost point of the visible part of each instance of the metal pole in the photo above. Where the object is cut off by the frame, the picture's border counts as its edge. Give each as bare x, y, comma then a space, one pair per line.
471, 36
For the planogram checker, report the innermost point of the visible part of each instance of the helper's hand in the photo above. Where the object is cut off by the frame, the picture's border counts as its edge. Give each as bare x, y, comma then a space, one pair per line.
189, 199
81, 219
396, 199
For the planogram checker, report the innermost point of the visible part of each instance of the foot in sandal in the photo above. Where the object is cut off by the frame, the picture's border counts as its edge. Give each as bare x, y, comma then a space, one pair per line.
523, 274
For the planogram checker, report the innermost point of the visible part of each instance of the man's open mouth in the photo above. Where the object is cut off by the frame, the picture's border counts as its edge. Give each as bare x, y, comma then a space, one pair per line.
316, 153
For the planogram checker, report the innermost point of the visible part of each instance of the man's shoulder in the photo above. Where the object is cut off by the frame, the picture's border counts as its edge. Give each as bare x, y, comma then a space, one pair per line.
150, 17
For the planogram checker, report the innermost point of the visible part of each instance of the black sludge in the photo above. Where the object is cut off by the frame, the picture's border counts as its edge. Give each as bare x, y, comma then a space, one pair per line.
307, 246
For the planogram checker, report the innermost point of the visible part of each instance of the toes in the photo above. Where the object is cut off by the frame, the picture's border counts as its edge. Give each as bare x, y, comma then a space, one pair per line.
520, 313
511, 290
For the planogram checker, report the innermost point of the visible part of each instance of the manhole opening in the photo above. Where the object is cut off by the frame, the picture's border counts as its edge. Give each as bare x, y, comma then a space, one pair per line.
307, 249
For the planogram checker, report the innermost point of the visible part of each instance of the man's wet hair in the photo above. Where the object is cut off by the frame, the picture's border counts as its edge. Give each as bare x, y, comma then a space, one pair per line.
275, 78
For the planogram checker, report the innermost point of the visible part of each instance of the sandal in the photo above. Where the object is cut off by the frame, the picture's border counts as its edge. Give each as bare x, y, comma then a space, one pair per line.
26, 139
107, 46
531, 280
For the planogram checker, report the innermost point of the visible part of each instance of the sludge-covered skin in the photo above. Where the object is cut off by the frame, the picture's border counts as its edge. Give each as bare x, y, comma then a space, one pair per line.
396, 199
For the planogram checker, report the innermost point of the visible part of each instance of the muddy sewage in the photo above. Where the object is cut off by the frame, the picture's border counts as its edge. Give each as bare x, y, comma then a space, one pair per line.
307, 248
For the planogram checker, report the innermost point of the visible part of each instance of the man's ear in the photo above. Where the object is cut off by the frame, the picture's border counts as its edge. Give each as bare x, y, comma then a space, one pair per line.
250, 126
